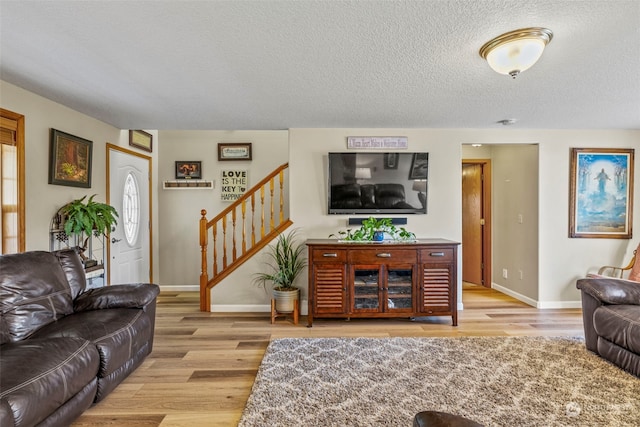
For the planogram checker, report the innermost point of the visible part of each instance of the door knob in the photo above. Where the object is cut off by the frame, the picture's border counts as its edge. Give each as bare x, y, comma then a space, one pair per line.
114, 240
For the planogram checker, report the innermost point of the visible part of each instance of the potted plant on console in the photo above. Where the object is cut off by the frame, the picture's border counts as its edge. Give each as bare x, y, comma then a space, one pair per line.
286, 262
84, 220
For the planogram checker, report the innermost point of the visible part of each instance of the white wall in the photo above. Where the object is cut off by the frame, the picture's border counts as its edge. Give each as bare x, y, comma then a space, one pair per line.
561, 260
564, 260
43, 199
176, 252
514, 170
515, 244
308, 160
180, 209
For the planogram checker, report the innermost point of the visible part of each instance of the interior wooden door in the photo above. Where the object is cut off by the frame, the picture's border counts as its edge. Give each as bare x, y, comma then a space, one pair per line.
476, 238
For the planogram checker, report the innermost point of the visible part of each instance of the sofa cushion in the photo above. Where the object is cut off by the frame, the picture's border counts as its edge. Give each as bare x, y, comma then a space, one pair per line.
389, 195
345, 196
73, 269
136, 295
619, 356
38, 376
611, 291
33, 293
368, 196
619, 324
118, 333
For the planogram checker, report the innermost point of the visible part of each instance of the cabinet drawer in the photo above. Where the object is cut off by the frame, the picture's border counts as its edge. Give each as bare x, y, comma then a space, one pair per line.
329, 255
436, 255
383, 256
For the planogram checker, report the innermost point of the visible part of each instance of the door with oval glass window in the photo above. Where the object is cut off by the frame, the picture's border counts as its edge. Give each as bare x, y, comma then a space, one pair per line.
129, 194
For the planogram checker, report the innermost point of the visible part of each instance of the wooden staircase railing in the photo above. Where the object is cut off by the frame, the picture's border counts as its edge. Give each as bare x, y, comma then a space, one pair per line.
238, 223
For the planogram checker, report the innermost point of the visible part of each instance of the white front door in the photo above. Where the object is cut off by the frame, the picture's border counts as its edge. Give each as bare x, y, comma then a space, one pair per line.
129, 194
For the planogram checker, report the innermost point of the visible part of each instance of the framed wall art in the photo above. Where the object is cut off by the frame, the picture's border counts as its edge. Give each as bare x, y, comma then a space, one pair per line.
234, 184
391, 160
419, 166
366, 142
234, 151
141, 139
69, 160
188, 169
601, 193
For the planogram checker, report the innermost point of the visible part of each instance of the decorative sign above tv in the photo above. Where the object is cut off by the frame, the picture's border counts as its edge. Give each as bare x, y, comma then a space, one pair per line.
378, 183
368, 142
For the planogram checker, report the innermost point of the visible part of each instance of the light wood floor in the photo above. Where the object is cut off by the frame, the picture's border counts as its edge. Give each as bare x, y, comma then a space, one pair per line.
203, 365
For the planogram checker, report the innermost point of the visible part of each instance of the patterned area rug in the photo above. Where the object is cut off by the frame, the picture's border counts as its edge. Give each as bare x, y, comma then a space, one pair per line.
496, 381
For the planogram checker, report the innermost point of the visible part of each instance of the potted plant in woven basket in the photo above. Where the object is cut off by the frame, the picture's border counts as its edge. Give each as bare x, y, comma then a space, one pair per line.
286, 262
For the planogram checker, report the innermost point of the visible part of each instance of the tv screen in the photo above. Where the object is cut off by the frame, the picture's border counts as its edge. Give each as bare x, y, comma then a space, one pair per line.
378, 183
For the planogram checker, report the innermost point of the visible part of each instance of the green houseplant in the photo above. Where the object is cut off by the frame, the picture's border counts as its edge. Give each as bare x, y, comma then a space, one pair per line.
373, 229
286, 261
87, 219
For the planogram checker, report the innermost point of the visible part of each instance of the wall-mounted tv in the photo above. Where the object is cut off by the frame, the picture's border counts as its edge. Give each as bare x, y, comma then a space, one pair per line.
378, 183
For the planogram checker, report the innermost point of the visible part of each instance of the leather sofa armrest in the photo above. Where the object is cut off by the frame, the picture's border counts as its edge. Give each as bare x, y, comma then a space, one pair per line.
611, 291
136, 295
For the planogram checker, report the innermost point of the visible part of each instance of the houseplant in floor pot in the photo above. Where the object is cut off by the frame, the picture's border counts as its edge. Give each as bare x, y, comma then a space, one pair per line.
286, 261
84, 220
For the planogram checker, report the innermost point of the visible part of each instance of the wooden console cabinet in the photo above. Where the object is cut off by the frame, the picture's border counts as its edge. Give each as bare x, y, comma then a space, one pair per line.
356, 280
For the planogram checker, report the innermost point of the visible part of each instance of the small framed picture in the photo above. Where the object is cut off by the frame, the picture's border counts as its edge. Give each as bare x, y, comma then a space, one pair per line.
234, 151
419, 166
189, 169
391, 160
69, 160
141, 139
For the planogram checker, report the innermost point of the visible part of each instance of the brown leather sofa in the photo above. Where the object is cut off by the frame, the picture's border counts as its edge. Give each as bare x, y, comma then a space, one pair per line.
368, 196
63, 347
611, 317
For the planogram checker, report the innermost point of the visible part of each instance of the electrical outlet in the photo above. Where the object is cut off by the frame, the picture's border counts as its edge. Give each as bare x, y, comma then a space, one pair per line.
505, 273
520, 219
520, 274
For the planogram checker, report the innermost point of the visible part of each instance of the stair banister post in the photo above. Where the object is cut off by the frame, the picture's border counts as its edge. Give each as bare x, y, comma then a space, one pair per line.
205, 294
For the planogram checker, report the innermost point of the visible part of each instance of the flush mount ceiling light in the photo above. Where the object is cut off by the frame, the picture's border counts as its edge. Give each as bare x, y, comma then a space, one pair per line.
516, 51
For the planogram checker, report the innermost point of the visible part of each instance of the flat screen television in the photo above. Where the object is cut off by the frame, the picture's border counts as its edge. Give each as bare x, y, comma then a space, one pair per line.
378, 183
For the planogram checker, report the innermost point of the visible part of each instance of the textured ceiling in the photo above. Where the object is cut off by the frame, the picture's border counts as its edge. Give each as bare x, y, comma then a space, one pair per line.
288, 64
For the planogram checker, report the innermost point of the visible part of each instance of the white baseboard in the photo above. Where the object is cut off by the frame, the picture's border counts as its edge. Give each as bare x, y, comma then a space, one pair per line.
559, 304
252, 308
534, 303
177, 288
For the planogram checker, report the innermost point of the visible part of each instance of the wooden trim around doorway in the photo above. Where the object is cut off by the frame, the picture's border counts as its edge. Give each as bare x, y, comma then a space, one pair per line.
132, 153
486, 209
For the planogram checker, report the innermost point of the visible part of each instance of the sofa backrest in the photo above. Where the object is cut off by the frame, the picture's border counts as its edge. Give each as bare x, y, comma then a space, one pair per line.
37, 288
389, 195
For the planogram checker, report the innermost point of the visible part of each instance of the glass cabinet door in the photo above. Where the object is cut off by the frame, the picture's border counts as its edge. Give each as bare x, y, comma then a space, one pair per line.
366, 289
399, 289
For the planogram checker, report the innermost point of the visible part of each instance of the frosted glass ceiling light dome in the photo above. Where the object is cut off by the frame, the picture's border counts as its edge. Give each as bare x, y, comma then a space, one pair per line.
516, 51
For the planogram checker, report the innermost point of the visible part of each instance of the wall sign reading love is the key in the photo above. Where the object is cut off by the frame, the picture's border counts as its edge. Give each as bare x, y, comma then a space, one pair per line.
234, 184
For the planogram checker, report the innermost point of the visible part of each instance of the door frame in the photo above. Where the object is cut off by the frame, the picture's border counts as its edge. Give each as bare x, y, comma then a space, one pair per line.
487, 269
20, 170
149, 159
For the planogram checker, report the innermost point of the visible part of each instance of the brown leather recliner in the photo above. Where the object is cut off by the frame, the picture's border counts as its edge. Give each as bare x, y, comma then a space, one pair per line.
63, 347
611, 317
